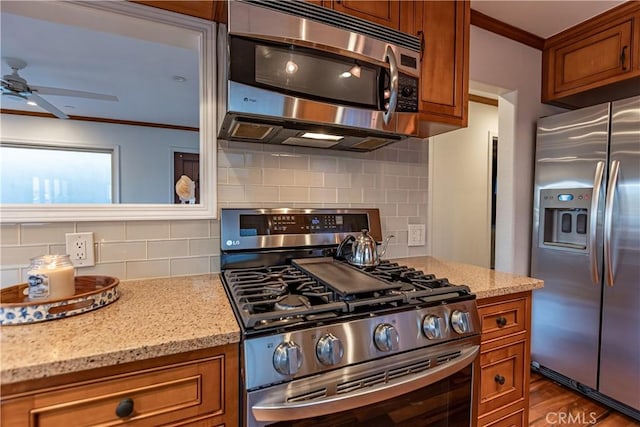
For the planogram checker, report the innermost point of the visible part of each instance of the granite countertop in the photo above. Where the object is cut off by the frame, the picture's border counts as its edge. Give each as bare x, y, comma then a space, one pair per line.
152, 318
483, 282
159, 317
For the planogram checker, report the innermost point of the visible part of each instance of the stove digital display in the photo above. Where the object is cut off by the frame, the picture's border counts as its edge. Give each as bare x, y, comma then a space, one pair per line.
265, 225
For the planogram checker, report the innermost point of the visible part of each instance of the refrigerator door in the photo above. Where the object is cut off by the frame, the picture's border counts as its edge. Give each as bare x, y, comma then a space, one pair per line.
620, 352
571, 154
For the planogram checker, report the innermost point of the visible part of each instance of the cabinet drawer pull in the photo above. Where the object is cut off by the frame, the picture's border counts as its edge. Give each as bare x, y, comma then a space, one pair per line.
623, 57
501, 321
125, 408
499, 379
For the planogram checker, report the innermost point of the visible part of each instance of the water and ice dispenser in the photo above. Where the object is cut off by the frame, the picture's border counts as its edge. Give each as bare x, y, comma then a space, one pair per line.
564, 218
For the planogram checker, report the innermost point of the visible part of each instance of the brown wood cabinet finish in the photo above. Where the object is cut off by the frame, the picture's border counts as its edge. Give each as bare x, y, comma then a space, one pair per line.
444, 80
504, 360
595, 61
384, 12
183, 392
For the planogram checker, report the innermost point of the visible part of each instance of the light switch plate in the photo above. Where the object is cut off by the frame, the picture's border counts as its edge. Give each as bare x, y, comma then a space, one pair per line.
416, 235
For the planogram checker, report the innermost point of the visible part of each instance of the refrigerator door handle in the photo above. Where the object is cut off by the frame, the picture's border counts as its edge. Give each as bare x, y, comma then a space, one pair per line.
593, 222
608, 219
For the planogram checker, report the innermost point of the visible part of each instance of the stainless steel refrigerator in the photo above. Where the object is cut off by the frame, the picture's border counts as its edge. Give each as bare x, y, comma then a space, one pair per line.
586, 248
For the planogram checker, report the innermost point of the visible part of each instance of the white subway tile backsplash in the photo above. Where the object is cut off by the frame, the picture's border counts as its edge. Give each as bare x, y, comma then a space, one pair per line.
208, 246
323, 195
189, 266
190, 228
277, 177
244, 176
122, 251
10, 277
323, 164
231, 193
167, 248
136, 230
103, 231
337, 180
113, 269
9, 234
259, 193
43, 233
294, 161
303, 178
147, 269
16, 256
392, 179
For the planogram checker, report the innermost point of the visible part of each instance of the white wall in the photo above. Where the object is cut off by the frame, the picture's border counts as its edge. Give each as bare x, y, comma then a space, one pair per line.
146, 157
513, 71
460, 197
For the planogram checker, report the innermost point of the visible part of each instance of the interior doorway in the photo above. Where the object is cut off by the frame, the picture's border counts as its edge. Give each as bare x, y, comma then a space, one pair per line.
186, 164
462, 184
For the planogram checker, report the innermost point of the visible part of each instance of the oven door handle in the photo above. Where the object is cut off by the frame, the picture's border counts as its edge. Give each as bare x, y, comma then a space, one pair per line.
331, 405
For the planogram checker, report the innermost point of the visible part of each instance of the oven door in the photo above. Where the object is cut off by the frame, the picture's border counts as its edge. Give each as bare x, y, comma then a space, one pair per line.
426, 387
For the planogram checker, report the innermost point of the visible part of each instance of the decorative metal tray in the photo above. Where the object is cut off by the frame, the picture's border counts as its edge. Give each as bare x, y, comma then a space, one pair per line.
92, 292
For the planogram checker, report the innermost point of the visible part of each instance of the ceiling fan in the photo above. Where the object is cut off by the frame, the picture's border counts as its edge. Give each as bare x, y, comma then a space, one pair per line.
15, 86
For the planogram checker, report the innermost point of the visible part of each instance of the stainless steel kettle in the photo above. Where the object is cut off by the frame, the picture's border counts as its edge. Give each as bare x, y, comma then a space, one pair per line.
364, 251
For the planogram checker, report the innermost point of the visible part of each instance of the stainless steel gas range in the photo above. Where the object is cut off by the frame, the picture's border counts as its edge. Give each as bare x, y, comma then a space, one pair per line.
326, 343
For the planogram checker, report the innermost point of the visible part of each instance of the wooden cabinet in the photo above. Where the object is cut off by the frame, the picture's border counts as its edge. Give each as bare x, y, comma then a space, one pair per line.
594, 62
177, 391
504, 360
385, 12
444, 80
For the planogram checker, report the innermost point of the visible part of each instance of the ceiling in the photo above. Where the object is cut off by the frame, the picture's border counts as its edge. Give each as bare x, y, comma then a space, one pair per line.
75, 47
544, 18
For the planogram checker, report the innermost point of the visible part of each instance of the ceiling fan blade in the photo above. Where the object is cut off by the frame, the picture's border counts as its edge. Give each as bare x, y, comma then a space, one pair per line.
44, 90
42, 103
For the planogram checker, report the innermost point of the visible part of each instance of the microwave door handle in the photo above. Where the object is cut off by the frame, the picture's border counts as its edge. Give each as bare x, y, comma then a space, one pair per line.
608, 219
393, 89
593, 222
319, 407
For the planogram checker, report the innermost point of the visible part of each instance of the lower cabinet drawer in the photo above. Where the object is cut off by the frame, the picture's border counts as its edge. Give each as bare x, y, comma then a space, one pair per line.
153, 397
501, 377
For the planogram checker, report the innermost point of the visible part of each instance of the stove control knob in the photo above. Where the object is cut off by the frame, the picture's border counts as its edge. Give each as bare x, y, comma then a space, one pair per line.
385, 337
433, 326
329, 349
460, 321
287, 358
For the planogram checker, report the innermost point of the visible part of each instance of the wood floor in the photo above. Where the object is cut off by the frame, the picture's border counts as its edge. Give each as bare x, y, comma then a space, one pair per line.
552, 404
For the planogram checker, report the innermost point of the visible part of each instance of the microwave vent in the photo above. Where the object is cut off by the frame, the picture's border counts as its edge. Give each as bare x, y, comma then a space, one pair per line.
252, 131
341, 20
372, 143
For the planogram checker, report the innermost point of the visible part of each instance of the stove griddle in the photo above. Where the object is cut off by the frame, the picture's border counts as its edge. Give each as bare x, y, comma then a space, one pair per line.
341, 277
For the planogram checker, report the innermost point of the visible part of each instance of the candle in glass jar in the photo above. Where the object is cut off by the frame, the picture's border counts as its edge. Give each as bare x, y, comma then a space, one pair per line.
51, 277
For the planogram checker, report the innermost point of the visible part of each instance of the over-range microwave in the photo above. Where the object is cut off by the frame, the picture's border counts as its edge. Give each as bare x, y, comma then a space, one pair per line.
294, 73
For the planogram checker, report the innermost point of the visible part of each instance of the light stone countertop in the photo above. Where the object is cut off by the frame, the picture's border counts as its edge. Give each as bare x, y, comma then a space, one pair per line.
159, 317
483, 282
152, 318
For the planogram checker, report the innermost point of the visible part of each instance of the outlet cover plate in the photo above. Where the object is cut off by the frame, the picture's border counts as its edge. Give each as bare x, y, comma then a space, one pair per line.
80, 249
416, 235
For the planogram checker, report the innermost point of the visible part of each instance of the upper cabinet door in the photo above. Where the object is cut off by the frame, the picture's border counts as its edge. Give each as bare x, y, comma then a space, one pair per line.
444, 81
595, 61
384, 12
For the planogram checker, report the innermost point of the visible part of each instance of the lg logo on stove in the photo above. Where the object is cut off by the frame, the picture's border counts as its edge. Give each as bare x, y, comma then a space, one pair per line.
233, 242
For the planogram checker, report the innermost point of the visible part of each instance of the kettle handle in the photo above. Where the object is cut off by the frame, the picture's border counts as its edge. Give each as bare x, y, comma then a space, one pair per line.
342, 244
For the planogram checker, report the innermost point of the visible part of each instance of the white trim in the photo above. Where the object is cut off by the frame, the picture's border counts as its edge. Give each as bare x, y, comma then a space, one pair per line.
100, 212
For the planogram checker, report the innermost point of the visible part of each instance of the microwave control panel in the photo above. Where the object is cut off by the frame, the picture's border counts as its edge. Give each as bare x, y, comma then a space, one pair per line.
407, 94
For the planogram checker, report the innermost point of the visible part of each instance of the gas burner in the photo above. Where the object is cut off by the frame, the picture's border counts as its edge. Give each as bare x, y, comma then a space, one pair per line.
291, 302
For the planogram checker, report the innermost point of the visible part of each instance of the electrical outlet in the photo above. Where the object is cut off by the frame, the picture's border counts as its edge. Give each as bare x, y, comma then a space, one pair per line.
416, 235
80, 249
